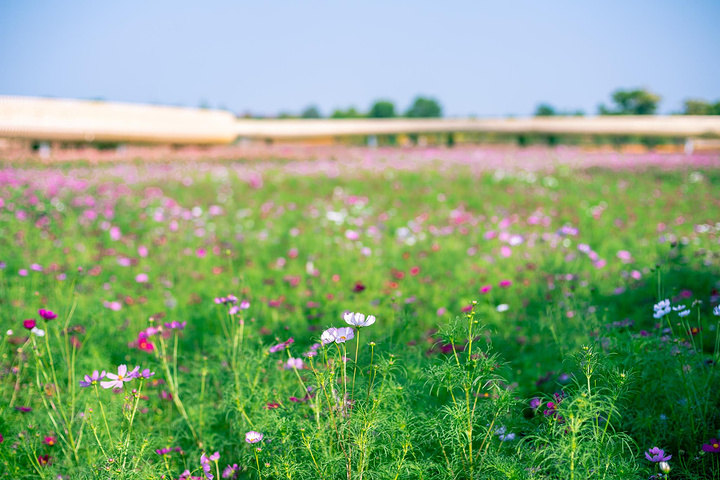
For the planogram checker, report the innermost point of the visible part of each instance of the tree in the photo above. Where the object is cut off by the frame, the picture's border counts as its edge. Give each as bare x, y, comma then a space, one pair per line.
701, 107
382, 109
545, 110
632, 102
424, 107
349, 113
311, 112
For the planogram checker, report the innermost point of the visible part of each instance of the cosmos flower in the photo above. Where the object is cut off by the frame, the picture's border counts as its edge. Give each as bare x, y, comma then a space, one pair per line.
281, 346
145, 373
716, 311
92, 380
713, 446
358, 319
175, 325
38, 332
230, 471
294, 363
119, 379
328, 336
661, 308
205, 463
47, 315
29, 323
656, 455
253, 437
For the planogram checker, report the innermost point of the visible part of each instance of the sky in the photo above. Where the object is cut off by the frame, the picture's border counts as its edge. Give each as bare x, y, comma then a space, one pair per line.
477, 57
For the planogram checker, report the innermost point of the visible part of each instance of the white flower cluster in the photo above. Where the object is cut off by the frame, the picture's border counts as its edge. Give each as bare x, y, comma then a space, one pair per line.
661, 308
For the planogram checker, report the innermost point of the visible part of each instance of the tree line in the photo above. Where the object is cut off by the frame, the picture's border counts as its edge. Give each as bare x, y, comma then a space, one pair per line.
421, 107
639, 101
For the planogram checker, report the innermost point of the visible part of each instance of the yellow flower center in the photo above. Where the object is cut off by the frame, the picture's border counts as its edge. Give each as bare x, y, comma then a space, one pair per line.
715, 445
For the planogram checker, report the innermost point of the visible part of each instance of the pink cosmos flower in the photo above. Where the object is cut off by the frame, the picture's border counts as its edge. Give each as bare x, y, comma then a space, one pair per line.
253, 437
281, 346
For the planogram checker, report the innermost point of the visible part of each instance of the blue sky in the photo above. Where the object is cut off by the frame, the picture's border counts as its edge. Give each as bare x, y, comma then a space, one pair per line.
479, 57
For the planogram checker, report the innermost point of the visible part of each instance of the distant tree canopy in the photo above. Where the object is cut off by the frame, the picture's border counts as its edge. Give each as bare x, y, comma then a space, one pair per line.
632, 102
382, 109
701, 107
311, 112
424, 107
544, 110
349, 113
547, 110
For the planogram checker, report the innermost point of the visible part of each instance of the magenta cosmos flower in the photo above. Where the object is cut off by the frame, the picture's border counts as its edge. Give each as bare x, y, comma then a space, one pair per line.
117, 381
47, 315
656, 455
713, 446
253, 437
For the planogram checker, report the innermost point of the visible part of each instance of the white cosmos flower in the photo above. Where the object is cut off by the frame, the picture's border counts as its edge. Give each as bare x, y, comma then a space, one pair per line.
328, 336
661, 308
358, 319
38, 332
503, 307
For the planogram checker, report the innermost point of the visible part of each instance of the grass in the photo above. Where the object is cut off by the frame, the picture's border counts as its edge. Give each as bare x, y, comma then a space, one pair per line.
514, 333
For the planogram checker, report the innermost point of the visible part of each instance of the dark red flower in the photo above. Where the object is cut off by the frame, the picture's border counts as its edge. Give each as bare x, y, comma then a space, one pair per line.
359, 287
29, 323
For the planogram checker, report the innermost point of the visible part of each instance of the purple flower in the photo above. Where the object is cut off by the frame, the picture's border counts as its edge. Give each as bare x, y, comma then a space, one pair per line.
281, 346
205, 463
656, 455
535, 403
47, 314
117, 381
294, 363
23, 409
230, 471
175, 325
713, 446
230, 299
136, 373
253, 437
164, 451
92, 380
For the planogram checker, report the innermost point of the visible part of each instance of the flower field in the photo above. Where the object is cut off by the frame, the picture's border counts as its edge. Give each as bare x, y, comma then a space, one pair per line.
352, 313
